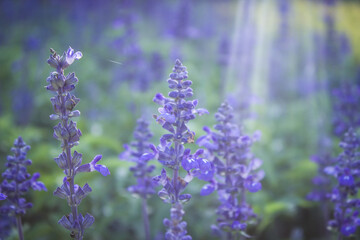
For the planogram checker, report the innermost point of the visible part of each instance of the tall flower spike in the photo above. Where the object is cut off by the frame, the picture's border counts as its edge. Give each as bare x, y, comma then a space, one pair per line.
136, 152
17, 182
346, 217
174, 114
67, 133
236, 172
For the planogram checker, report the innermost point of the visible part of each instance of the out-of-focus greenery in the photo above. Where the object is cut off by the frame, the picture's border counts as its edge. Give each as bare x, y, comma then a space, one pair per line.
292, 123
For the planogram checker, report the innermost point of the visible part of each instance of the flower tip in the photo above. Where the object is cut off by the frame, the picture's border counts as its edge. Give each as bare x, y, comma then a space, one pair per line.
70, 51
96, 158
104, 171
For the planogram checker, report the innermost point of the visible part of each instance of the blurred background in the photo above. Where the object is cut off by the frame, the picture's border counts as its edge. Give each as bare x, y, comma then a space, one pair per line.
276, 61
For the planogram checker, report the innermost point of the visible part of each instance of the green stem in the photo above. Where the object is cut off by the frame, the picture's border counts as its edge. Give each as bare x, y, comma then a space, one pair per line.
19, 227
146, 219
70, 171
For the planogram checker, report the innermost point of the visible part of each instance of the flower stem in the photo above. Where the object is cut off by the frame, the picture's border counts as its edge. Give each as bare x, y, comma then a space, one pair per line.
19, 227
70, 170
146, 219
229, 236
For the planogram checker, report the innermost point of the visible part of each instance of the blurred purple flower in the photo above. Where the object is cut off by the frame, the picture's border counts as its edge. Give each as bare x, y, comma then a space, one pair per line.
235, 171
138, 153
17, 182
344, 195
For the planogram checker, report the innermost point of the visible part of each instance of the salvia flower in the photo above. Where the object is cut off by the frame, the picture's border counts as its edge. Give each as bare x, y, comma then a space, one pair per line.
17, 182
322, 183
174, 114
346, 108
67, 133
136, 153
344, 196
236, 171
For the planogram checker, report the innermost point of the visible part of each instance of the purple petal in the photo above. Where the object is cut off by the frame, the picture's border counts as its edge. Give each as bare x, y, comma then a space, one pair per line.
330, 170
147, 156
255, 163
202, 111
252, 186
168, 117
2, 196
238, 226
88, 220
185, 197
168, 127
159, 99
125, 155
199, 152
206, 175
64, 221
96, 159
60, 193
70, 52
207, 190
257, 135
38, 186
78, 55
348, 230
346, 180
204, 164
92, 166
163, 173
102, 169
189, 163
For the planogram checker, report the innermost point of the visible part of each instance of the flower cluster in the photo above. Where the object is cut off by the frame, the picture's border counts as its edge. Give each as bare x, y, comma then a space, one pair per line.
235, 171
175, 112
322, 183
344, 195
145, 186
67, 133
17, 182
346, 108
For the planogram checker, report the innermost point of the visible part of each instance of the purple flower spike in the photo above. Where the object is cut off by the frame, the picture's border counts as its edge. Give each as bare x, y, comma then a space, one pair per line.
175, 112
139, 153
231, 169
64, 103
343, 196
17, 182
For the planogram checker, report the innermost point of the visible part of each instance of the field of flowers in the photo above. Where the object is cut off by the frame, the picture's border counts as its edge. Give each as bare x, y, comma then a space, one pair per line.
178, 120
